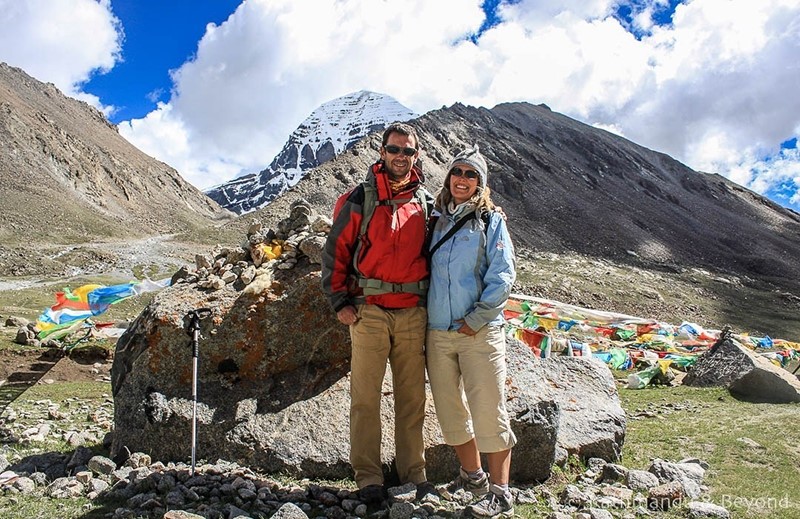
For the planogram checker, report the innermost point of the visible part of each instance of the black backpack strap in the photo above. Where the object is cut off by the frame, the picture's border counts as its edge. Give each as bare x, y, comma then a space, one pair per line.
449, 234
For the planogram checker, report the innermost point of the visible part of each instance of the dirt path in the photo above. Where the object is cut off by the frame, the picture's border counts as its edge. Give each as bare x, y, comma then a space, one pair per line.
156, 256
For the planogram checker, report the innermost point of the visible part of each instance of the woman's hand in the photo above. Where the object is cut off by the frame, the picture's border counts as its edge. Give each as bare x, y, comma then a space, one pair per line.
464, 328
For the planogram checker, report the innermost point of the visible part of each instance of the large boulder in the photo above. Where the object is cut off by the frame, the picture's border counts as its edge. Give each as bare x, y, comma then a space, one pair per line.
592, 421
743, 372
262, 349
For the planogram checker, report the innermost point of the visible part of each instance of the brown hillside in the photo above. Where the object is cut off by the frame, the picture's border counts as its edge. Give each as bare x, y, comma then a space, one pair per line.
66, 175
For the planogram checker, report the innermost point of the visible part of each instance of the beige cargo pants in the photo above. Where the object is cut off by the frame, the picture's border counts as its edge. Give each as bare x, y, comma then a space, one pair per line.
399, 337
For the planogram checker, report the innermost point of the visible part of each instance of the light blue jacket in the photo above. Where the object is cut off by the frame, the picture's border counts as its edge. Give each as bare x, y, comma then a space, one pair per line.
471, 274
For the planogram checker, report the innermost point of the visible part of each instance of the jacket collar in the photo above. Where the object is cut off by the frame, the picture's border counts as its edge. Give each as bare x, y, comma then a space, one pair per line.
381, 180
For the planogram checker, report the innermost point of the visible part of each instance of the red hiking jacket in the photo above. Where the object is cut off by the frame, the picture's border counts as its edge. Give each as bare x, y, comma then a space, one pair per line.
391, 251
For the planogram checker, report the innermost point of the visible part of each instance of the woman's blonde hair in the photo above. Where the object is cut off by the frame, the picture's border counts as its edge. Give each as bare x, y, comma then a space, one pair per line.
481, 198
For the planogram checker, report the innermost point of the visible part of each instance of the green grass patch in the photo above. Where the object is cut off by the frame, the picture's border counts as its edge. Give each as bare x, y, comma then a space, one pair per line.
94, 391
674, 423
27, 507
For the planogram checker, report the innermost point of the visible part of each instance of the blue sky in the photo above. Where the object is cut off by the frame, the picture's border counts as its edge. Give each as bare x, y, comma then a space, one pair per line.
214, 87
159, 36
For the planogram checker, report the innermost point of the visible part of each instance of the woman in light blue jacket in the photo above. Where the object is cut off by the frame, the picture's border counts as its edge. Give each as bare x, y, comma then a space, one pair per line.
472, 272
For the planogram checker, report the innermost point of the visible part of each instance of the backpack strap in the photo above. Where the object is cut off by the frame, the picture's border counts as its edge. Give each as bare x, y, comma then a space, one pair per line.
485, 216
449, 234
367, 210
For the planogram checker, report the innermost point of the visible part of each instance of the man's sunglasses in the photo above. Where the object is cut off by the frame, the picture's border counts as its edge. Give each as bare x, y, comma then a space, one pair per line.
394, 150
469, 173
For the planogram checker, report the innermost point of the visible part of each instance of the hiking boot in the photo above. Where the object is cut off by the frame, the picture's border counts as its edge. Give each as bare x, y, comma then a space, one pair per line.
426, 489
371, 494
463, 483
492, 505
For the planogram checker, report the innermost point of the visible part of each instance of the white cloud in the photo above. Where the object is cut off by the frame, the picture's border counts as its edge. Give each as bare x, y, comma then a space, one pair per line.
167, 138
258, 75
714, 89
60, 41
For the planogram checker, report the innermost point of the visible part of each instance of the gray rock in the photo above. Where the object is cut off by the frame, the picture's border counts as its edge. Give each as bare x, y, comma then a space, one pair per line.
312, 247
84, 476
16, 322
573, 496
613, 472
591, 421
599, 513
248, 274
80, 457
403, 494
24, 485
273, 360
321, 224
666, 471
401, 510
289, 511
101, 465
25, 336
65, 488
596, 464
40, 478
203, 261
97, 485
237, 513
254, 328
731, 365
666, 496
181, 514
699, 509
641, 480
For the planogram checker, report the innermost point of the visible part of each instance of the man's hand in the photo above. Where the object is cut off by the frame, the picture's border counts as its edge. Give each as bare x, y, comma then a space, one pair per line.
464, 328
347, 315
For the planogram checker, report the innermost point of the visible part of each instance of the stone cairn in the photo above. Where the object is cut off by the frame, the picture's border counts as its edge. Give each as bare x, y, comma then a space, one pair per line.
263, 251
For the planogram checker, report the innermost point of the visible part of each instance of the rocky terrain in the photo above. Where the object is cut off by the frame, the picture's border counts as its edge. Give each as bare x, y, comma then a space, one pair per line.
601, 222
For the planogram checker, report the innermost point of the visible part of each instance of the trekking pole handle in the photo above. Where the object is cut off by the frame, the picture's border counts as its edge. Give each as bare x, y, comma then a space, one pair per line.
193, 327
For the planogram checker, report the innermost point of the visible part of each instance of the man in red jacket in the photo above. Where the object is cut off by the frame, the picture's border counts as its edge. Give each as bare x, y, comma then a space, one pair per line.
375, 275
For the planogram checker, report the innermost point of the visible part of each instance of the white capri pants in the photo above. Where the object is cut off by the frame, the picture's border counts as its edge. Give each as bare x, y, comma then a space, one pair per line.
468, 376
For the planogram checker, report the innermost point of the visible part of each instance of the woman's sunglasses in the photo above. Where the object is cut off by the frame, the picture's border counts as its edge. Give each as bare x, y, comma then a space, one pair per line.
469, 173
394, 150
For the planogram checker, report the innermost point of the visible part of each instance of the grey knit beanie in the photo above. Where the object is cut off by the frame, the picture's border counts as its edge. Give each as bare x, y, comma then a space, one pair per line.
472, 157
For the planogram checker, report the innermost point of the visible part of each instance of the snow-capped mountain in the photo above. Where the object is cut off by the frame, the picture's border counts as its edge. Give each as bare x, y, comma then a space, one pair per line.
328, 131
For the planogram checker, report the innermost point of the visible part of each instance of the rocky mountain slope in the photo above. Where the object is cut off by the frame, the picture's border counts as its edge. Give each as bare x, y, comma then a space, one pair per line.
330, 129
66, 175
620, 227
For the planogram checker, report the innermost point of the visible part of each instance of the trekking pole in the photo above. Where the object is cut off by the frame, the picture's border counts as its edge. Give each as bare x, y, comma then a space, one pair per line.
193, 329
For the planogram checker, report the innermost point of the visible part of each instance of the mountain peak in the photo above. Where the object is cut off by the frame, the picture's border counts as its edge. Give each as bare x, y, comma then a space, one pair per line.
329, 130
